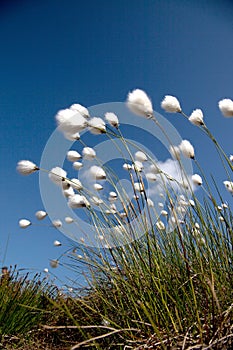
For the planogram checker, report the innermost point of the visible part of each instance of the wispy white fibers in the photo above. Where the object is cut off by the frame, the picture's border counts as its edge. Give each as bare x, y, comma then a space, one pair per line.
97, 172
23, 223
78, 201
69, 220
97, 126
57, 243
112, 119
77, 165
81, 109
70, 121
171, 104
228, 185
187, 149
197, 180
57, 175
139, 103
226, 107
141, 156
88, 153
26, 167
40, 214
57, 223
98, 187
73, 156
76, 184
197, 117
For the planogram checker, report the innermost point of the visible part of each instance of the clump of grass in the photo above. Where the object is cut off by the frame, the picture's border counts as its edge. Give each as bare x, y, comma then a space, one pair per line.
153, 283
177, 298
24, 300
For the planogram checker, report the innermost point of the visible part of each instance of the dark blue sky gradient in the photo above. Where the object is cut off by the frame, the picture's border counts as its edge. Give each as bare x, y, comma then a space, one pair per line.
55, 53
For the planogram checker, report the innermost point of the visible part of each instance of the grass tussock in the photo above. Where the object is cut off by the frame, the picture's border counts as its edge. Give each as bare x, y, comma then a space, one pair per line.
158, 279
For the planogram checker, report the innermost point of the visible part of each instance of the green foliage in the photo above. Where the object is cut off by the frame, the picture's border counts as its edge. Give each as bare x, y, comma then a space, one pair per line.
160, 284
23, 302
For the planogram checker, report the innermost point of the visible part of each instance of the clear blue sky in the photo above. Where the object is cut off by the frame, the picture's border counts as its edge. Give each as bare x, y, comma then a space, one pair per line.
55, 53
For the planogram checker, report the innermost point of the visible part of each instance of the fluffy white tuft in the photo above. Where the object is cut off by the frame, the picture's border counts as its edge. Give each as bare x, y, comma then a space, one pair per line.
26, 167
139, 103
171, 104
226, 107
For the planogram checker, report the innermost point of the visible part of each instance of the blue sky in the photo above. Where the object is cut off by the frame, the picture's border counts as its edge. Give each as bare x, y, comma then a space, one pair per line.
55, 53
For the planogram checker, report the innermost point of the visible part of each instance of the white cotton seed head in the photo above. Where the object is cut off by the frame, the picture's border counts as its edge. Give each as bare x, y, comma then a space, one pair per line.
127, 166
187, 149
69, 220
26, 167
96, 200
76, 184
228, 185
141, 156
113, 194
65, 184
138, 186
154, 169
183, 203
54, 263
57, 223
72, 136
57, 175
192, 203
112, 119
231, 158
175, 152
23, 223
73, 156
57, 243
78, 201
97, 172
70, 121
112, 199
46, 270
151, 177
40, 214
81, 109
77, 165
171, 105
150, 203
139, 103
63, 115
98, 187
137, 166
160, 225
164, 213
68, 192
196, 179
110, 211
197, 117
226, 107
97, 126
88, 153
